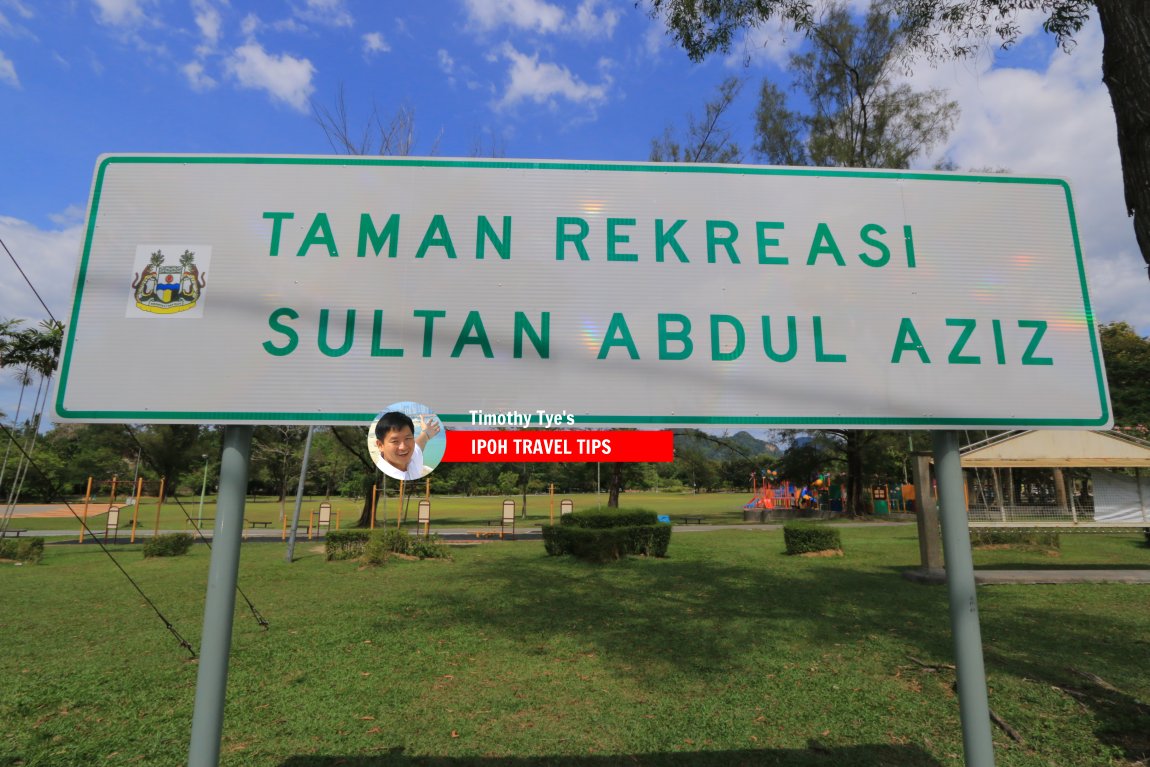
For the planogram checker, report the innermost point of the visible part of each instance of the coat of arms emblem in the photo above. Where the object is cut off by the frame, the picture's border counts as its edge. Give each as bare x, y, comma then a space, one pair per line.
169, 288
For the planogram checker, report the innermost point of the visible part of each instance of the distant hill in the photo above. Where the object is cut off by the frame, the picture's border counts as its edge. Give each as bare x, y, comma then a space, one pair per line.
712, 445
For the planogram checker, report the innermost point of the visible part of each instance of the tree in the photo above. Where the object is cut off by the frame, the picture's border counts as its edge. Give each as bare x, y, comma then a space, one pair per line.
393, 137
278, 451
1127, 357
172, 449
858, 118
32, 353
958, 28
708, 138
351, 439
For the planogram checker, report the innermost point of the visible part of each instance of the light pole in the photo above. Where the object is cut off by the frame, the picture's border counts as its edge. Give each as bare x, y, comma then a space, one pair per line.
203, 489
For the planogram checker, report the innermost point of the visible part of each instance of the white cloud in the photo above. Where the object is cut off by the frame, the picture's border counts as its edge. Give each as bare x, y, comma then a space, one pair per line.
535, 15
329, 13
1055, 122
446, 63
285, 77
9, 28
22, 10
197, 78
587, 20
543, 82
208, 20
588, 23
121, 13
250, 24
289, 25
48, 258
8, 71
373, 42
772, 42
70, 216
655, 38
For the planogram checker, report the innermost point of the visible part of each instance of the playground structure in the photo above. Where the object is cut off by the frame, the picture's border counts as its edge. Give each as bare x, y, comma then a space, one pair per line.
784, 499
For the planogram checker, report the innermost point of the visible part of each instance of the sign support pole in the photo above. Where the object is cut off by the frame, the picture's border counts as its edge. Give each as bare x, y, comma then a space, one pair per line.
299, 496
973, 704
219, 608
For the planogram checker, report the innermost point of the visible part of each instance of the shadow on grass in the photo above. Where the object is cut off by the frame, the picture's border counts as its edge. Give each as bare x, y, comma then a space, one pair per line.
706, 612
814, 756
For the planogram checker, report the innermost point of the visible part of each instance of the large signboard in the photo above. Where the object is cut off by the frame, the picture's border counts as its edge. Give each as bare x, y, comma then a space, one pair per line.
313, 289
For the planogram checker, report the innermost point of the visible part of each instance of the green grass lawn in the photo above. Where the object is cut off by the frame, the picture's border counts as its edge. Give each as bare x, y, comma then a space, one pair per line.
727, 652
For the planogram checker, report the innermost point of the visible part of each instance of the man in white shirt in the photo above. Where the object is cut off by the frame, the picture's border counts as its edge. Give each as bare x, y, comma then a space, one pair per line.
400, 451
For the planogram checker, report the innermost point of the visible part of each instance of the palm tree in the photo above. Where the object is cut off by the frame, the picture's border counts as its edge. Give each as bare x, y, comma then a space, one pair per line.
33, 353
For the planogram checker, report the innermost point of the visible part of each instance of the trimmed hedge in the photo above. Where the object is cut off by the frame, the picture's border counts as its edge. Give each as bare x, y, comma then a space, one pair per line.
607, 535
168, 545
345, 544
807, 539
1037, 539
29, 550
604, 518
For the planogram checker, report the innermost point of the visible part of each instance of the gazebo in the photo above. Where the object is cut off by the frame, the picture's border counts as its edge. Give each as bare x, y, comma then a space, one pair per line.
1113, 492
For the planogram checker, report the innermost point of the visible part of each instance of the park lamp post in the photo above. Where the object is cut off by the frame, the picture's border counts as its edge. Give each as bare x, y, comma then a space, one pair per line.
203, 489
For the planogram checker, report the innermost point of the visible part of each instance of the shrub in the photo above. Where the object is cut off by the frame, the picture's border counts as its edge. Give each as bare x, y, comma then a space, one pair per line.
168, 545
345, 544
608, 534
1027, 539
648, 540
805, 539
597, 544
29, 550
555, 540
431, 547
384, 543
602, 518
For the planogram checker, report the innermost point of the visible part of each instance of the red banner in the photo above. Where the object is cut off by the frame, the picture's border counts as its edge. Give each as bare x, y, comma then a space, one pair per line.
553, 446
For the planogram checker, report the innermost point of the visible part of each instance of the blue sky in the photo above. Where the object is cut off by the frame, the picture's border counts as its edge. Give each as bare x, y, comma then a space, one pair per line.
583, 79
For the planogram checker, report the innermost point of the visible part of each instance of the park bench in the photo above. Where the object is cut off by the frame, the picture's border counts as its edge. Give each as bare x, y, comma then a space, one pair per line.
692, 520
16, 531
261, 523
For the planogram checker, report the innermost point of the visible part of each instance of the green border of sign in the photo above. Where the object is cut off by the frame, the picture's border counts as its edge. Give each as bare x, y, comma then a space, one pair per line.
813, 422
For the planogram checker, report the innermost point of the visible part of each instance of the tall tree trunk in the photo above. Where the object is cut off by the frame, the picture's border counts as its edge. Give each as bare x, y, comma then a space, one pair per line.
856, 499
369, 476
1126, 71
613, 491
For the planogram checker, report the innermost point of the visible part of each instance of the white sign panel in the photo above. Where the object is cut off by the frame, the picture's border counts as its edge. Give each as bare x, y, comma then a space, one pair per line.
318, 289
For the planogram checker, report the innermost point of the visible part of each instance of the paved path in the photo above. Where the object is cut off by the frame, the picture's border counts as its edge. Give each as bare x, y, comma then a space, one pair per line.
24, 511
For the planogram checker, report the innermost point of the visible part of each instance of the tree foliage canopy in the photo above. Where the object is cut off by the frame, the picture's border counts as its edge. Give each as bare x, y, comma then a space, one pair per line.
959, 28
708, 138
859, 117
1127, 357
